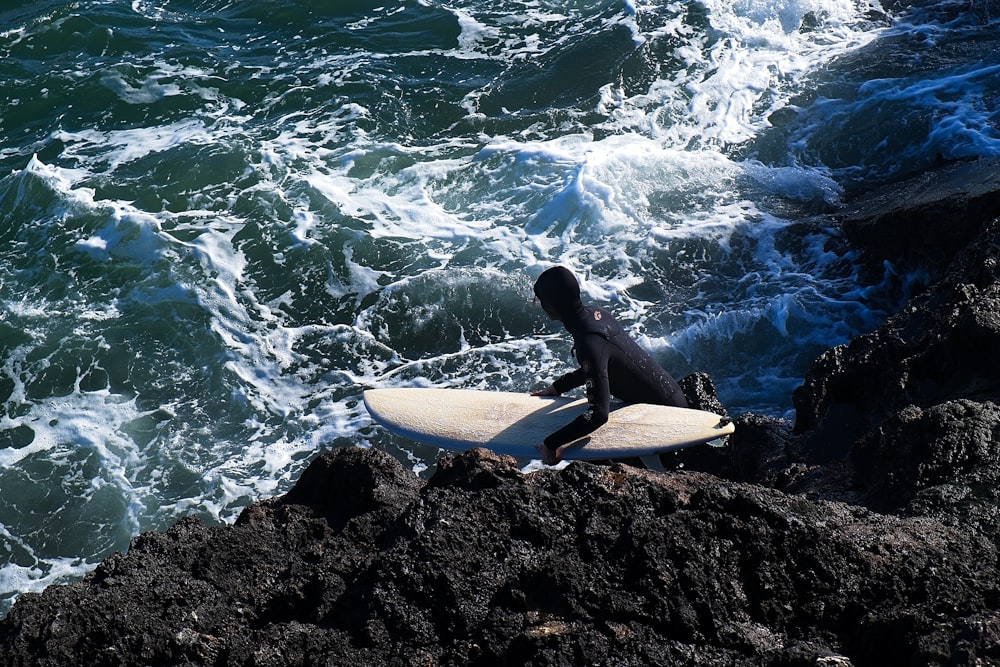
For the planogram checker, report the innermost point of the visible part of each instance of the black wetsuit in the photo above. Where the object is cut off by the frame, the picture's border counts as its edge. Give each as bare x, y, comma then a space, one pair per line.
611, 364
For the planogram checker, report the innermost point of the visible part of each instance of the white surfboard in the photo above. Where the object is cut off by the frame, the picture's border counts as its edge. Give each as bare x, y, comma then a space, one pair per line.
515, 424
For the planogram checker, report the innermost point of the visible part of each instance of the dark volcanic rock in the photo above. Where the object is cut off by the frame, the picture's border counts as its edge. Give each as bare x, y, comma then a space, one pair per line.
484, 565
944, 344
954, 444
923, 222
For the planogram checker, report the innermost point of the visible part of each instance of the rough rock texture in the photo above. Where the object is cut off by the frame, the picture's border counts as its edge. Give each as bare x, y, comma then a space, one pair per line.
483, 565
866, 535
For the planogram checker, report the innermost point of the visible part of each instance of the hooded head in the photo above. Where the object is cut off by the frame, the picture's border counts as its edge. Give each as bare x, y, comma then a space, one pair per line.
559, 292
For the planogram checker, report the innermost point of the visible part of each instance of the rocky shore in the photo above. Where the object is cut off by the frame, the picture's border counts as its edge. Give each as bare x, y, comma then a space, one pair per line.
865, 533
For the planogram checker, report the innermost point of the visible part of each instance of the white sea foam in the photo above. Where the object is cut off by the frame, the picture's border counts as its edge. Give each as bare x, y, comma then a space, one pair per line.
32, 579
118, 147
759, 58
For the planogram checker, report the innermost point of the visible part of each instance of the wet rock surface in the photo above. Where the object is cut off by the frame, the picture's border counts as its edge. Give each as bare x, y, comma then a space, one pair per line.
865, 533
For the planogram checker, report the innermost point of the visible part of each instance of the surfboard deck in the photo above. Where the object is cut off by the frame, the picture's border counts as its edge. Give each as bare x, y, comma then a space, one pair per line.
516, 424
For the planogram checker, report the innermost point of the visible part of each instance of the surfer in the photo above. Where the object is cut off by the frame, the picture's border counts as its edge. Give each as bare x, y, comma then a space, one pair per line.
611, 363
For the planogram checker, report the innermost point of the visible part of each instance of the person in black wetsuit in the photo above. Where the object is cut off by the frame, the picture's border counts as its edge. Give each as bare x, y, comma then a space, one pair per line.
611, 363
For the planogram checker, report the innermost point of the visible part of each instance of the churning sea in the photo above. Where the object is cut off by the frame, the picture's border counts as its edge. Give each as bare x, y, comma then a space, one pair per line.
221, 220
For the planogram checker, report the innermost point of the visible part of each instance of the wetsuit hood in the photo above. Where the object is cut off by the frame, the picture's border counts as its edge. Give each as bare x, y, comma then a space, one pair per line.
558, 290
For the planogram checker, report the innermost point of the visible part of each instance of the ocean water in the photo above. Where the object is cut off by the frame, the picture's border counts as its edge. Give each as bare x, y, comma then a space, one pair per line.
220, 221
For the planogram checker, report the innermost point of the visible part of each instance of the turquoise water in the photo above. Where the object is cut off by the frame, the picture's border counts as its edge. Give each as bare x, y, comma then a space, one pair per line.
221, 221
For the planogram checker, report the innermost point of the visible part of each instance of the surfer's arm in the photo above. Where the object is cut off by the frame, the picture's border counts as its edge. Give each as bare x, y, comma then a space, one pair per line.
595, 374
585, 424
563, 384
569, 381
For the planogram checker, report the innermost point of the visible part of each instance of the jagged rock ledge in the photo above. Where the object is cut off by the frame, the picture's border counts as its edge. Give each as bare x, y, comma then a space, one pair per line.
865, 535
360, 564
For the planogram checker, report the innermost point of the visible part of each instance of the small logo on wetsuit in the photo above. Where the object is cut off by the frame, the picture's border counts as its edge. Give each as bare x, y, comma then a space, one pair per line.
597, 315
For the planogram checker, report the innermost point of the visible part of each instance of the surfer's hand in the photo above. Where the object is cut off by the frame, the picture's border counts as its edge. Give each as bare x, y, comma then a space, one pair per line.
550, 457
548, 391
